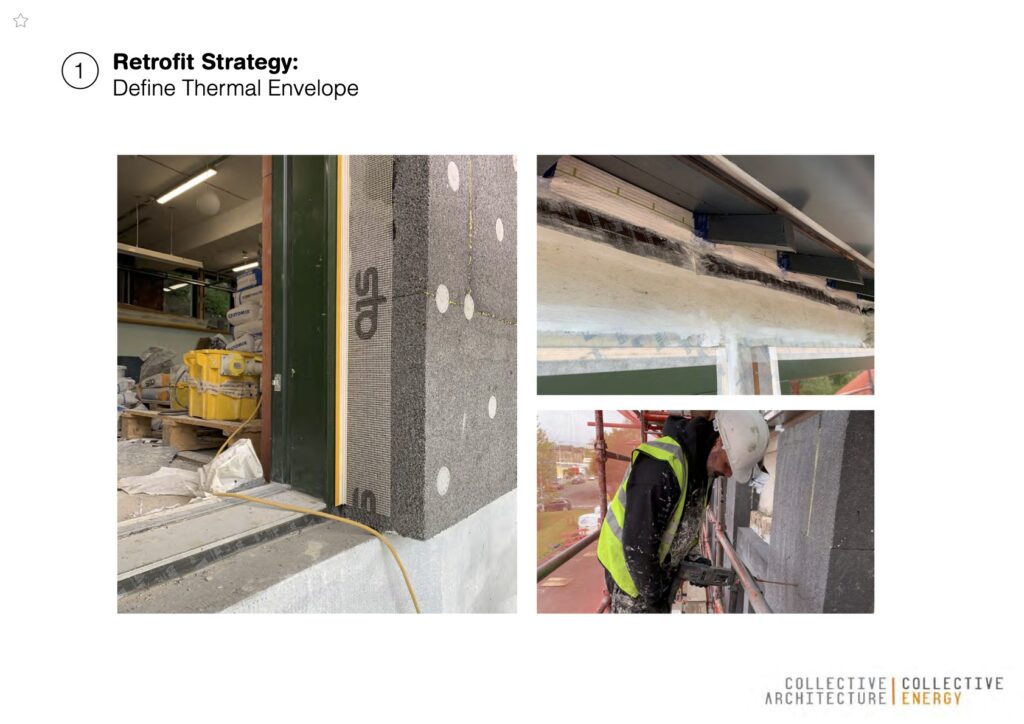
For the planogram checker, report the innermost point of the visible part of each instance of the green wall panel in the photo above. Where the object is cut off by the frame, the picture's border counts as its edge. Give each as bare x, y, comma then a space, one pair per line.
696, 380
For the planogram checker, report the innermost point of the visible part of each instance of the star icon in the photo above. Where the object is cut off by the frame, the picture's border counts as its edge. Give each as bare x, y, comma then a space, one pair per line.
19, 22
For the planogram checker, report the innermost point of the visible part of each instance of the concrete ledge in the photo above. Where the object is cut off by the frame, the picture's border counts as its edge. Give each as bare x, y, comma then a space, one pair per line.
164, 545
332, 568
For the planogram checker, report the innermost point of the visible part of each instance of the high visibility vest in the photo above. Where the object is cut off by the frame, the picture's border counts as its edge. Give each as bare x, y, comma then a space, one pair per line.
609, 545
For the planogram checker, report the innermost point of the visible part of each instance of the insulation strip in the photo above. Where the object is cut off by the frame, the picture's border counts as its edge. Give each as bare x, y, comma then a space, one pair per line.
370, 280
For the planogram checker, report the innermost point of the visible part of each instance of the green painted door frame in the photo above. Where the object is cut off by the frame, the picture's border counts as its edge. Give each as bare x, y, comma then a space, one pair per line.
304, 223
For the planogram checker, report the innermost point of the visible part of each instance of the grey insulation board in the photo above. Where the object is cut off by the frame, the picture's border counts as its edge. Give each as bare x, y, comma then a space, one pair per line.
823, 518
448, 456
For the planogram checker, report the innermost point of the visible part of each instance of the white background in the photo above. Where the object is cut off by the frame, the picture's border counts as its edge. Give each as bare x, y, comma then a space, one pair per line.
933, 90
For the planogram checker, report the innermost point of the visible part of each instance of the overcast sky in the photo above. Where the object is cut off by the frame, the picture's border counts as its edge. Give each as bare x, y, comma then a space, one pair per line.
569, 427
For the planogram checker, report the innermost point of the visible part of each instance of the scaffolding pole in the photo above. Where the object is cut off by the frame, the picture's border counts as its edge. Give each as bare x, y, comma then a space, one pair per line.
757, 601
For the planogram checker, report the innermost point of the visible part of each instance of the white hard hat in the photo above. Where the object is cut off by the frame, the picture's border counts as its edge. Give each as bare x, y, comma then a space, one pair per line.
745, 438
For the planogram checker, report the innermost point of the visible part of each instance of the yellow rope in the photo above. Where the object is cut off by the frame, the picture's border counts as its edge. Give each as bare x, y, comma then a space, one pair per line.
317, 513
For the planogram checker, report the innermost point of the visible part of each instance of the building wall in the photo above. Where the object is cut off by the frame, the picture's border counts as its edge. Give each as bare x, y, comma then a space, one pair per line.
134, 339
469, 567
435, 385
822, 531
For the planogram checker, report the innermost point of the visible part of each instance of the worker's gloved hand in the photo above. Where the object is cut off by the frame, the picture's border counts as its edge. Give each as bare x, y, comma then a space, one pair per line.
696, 557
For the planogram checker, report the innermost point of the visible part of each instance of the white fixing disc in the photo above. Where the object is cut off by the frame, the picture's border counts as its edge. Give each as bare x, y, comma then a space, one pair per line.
444, 479
453, 176
441, 297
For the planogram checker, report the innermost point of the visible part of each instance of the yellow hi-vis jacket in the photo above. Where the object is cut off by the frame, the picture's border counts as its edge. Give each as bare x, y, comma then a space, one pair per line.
609, 545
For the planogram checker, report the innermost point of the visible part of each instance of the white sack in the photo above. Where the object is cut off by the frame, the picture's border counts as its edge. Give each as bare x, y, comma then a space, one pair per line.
254, 327
165, 481
245, 314
233, 467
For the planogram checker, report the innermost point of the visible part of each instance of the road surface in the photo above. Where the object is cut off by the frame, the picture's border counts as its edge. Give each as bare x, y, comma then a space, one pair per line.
576, 587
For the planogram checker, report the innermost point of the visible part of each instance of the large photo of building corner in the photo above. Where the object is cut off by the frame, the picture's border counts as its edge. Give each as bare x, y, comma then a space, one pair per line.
686, 511
705, 275
316, 384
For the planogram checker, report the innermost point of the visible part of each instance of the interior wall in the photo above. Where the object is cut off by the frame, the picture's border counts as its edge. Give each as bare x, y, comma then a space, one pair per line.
134, 339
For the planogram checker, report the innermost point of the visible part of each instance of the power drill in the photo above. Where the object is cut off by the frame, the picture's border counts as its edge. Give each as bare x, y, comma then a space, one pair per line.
701, 573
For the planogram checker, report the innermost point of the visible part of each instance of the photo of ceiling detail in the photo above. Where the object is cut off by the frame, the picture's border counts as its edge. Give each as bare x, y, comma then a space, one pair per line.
705, 274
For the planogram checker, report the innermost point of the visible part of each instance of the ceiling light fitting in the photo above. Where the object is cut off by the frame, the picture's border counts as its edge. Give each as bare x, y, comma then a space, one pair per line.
182, 188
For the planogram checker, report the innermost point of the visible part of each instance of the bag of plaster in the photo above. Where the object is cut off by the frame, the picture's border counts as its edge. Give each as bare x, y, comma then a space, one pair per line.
244, 314
125, 383
161, 379
232, 468
255, 327
165, 481
218, 342
156, 360
128, 398
156, 394
244, 343
252, 295
249, 279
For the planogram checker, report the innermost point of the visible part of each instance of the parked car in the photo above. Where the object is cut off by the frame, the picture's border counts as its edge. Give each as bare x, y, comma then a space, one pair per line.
589, 522
557, 504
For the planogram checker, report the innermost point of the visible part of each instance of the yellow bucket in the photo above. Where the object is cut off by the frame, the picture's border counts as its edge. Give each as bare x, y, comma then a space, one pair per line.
224, 384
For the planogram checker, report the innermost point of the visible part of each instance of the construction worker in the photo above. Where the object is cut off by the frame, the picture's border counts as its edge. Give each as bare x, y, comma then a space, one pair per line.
654, 519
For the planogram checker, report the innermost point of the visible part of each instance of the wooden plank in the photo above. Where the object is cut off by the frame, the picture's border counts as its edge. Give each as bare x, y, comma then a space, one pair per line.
266, 381
127, 314
134, 427
183, 437
186, 433
159, 257
141, 413
225, 425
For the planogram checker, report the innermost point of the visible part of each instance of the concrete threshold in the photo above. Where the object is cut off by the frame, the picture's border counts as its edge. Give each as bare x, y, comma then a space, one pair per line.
166, 544
334, 568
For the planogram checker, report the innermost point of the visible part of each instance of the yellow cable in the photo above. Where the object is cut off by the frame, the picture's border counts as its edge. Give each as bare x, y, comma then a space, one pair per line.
238, 429
317, 513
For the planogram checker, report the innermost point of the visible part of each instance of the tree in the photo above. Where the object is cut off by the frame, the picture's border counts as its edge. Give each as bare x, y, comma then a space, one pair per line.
546, 459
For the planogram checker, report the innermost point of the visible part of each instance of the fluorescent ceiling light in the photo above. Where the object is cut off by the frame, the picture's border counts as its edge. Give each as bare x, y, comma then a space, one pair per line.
250, 265
175, 286
178, 190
